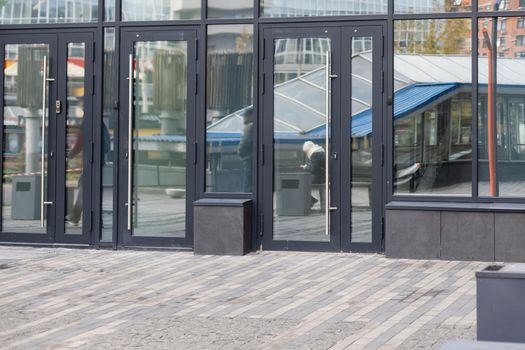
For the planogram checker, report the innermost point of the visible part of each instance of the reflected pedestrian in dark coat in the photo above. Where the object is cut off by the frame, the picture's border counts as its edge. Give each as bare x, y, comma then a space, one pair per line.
315, 162
245, 150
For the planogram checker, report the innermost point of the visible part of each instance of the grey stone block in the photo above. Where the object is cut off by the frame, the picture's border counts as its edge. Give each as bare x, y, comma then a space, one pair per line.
222, 227
467, 236
510, 237
412, 234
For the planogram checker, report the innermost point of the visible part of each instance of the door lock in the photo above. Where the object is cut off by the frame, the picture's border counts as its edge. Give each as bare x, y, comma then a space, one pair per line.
58, 106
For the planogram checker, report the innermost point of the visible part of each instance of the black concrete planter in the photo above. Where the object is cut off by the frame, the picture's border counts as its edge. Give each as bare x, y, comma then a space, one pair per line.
501, 303
222, 226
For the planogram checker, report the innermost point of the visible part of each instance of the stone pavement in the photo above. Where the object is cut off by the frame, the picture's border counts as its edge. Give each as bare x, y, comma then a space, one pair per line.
94, 299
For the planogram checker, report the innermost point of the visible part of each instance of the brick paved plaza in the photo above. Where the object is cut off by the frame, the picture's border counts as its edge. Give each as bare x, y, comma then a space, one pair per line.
89, 299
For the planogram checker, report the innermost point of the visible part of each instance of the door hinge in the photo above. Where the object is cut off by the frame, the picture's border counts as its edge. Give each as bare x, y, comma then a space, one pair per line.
92, 156
383, 46
264, 50
93, 55
261, 232
93, 86
383, 82
383, 155
262, 154
196, 49
263, 83
195, 149
196, 84
91, 221
382, 228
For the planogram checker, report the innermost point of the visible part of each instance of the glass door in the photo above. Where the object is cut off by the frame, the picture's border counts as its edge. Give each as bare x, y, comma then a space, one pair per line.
300, 114
74, 109
361, 134
28, 87
158, 99
322, 113
46, 115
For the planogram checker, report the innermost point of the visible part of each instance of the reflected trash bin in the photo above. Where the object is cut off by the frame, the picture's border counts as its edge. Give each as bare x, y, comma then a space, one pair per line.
293, 194
25, 200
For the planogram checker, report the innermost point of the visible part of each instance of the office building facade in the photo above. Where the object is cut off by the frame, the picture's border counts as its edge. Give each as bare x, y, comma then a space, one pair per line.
393, 126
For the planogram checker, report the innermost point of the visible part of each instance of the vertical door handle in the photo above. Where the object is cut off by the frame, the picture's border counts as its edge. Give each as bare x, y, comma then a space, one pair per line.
130, 142
43, 202
328, 197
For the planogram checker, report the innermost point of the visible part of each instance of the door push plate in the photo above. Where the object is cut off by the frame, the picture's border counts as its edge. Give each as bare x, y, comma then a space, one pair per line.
58, 106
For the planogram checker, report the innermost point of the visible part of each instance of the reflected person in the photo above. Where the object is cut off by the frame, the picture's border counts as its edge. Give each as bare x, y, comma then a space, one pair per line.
245, 150
315, 164
76, 213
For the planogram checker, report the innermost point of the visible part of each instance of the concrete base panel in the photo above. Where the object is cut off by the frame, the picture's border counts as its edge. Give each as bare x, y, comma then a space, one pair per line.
412, 234
467, 236
510, 237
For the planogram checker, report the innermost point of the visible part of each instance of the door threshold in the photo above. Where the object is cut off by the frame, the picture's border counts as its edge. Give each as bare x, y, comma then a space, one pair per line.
46, 245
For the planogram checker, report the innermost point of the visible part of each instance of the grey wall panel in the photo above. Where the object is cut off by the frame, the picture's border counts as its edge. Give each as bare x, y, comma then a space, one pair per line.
412, 234
467, 236
510, 237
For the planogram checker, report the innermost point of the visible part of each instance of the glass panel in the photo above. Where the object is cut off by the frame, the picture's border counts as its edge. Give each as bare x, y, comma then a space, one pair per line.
431, 6
230, 117
159, 191
230, 9
109, 10
76, 53
299, 139
313, 8
432, 107
41, 12
160, 10
109, 122
501, 118
22, 175
501, 5
361, 126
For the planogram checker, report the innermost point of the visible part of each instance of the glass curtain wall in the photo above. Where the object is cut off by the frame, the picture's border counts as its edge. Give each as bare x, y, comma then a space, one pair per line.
501, 107
432, 107
230, 116
46, 12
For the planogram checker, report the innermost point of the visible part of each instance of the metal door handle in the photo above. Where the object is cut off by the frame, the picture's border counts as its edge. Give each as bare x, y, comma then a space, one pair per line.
129, 204
43, 202
328, 110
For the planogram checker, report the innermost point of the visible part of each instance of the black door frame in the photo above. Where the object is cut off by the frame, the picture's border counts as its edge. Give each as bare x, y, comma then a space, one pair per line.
57, 40
340, 239
88, 143
128, 36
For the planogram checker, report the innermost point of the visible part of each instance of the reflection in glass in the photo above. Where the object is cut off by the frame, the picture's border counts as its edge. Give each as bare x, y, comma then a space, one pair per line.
74, 137
501, 5
431, 6
299, 139
230, 9
160, 10
287, 8
361, 143
230, 115
109, 121
109, 10
22, 161
501, 107
432, 107
41, 12
159, 135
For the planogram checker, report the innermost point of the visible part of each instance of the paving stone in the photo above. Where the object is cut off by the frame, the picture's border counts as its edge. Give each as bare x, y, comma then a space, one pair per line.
90, 299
